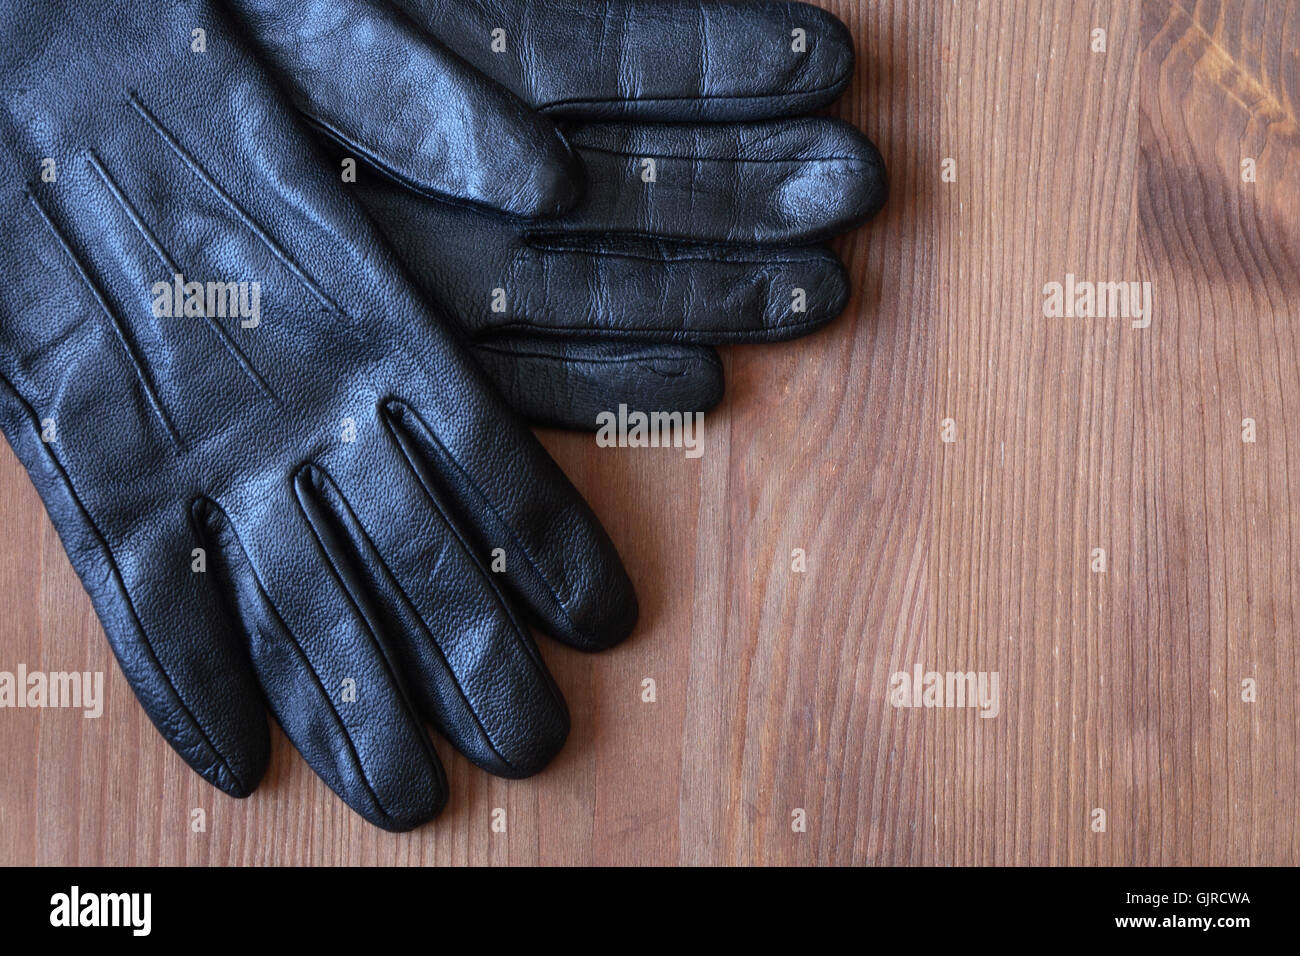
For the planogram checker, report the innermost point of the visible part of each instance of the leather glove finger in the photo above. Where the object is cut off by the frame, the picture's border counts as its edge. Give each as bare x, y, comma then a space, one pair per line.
465, 90
501, 279
660, 61
568, 383
324, 665
438, 597
146, 596
788, 182
371, 79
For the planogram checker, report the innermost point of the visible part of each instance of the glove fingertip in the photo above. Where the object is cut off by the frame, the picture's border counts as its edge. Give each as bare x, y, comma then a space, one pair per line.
826, 281
616, 621
240, 787
869, 169
831, 55
543, 747
689, 382
236, 775
844, 188
606, 613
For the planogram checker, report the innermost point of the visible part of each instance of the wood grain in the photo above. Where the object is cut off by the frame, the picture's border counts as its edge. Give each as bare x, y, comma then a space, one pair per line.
1121, 690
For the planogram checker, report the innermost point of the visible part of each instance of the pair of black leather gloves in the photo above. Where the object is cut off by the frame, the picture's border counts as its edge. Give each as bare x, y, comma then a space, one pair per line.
285, 280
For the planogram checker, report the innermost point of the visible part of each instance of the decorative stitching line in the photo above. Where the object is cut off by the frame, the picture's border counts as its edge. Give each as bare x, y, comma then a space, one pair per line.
118, 328
202, 175
170, 264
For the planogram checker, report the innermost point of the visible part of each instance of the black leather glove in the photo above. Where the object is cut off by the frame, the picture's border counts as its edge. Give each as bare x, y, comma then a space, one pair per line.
289, 490
700, 198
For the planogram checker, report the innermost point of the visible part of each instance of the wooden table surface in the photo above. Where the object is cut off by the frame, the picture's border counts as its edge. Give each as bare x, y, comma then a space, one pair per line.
950, 460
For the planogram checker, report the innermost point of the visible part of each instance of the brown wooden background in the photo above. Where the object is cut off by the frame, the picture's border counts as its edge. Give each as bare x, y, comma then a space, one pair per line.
1120, 691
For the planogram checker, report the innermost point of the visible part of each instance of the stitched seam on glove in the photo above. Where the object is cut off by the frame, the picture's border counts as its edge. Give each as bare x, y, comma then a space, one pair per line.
801, 162
715, 337
541, 242
169, 263
561, 602
693, 98
621, 360
119, 328
208, 180
410, 605
297, 648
